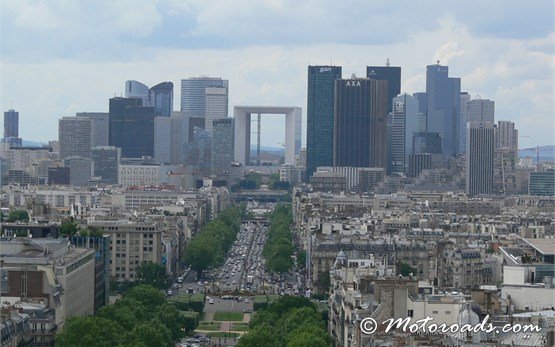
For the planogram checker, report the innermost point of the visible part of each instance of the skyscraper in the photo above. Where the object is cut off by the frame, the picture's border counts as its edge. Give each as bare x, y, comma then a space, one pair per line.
222, 147
11, 124
161, 98
136, 89
131, 127
444, 107
80, 170
422, 99
319, 131
74, 136
404, 125
424, 142
391, 74
216, 106
100, 127
479, 158
506, 136
360, 123
193, 94
171, 135
465, 99
481, 110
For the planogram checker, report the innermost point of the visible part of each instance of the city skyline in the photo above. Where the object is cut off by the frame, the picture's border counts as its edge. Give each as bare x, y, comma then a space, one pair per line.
273, 71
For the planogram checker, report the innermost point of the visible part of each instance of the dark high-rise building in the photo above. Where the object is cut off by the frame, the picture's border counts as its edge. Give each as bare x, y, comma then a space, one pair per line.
391, 74
404, 124
161, 98
58, 175
11, 124
479, 158
222, 146
422, 99
360, 123
423, 142
131, 127
319, 131
105, 163
444, 107
419, 162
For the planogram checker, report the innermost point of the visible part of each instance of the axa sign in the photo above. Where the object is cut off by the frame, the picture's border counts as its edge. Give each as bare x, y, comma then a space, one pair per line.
352, 83
325, 69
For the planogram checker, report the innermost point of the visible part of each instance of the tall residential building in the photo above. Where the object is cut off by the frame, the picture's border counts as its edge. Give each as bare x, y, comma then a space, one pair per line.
11, 124
222, 147
100, 127
74, 136
161, 98
481, 110
444, 107
216, 106
320, 108
391, 74
479, 158
465, 99
360, 123
105, 163
193, 94
404, 125
135, 89
131, 127
506, 136
504, 171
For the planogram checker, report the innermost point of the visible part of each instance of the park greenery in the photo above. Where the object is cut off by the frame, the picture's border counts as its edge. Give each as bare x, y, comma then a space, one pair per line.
290, 321
18, 216
142, 317
210, 246
279, 246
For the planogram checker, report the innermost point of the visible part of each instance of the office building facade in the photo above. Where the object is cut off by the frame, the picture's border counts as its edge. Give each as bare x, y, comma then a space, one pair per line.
319, 131
131, 127
444, 107
480, 110
105, 163
222, 147
360, 123
506, 136
80, 170
160, 97
193, 94
216, 106
391, 74
465, 99
479, 158
542, 183
11, 124
136, 89
75, 137
403, 126
424, 142
100, 127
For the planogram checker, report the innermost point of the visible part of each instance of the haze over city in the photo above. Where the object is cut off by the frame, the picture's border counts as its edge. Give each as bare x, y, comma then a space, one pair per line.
59, 59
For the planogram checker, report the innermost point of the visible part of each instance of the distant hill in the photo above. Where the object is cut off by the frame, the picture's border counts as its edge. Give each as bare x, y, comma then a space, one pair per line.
547, 153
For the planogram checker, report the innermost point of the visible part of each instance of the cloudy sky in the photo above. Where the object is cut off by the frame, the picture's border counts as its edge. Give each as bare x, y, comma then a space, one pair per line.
60, 57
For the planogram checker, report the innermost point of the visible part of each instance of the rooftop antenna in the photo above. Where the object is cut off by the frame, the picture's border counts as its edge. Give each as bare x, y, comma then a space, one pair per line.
437, 61
387, 62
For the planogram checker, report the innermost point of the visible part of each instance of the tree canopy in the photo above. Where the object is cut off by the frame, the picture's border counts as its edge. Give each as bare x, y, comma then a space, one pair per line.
141, 318
18, 216
153, 274
290, 321
279, 247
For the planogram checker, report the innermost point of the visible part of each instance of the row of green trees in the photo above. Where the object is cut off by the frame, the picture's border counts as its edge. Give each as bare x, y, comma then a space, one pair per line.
141, 318
212, 243
291, 321
279, 247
